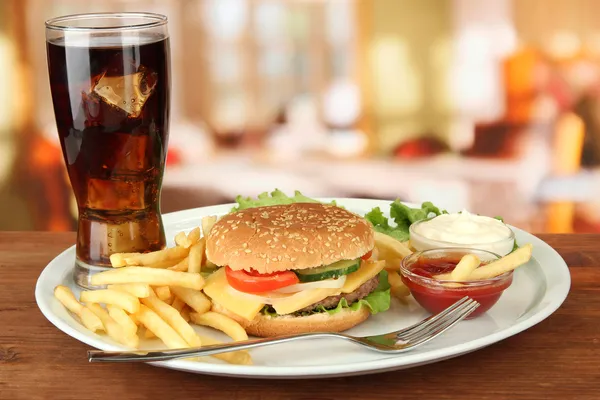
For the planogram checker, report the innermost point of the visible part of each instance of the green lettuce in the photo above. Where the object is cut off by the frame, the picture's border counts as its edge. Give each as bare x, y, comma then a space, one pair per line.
403, 217
276, 197
377, 301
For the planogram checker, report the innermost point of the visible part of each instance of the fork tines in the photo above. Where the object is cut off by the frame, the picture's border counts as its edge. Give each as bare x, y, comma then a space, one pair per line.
438, 323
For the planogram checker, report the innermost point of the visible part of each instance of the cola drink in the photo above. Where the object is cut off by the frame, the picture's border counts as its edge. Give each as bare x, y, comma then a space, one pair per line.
111, 103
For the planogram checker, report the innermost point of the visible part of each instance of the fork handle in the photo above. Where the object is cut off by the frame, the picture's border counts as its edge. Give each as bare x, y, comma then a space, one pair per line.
165, 355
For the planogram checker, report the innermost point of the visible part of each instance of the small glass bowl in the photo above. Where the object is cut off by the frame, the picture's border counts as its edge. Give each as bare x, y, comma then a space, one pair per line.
421, 243
436, 295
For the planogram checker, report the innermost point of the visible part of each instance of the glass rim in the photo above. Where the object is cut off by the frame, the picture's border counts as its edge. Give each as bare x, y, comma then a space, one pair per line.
152, 20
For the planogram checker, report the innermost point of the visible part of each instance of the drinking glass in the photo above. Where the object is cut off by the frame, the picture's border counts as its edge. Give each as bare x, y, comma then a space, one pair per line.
110, 84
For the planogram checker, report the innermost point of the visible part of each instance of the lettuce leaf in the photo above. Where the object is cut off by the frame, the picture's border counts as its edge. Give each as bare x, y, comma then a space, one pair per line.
276, 197
377, 301
403, 217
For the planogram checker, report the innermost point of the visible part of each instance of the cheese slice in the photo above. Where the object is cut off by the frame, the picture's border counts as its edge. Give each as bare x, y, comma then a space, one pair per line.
217, 288
366, 271
303, 299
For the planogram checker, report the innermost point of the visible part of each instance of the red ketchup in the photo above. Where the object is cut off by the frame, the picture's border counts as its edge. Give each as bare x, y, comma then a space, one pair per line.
434, 296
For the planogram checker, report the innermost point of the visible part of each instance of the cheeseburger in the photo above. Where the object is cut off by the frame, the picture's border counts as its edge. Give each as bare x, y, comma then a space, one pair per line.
295, 268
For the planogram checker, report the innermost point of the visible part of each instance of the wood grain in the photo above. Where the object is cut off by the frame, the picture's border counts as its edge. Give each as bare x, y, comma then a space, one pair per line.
557, 359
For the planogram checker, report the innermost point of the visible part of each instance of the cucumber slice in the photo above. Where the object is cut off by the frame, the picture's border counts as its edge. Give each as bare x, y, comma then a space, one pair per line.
330, 271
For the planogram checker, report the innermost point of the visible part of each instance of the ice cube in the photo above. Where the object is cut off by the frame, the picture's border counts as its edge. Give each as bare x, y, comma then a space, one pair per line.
127, 92
114, 195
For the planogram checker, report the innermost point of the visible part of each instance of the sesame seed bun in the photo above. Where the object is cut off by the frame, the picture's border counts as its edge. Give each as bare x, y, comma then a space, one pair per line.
286, 237
268, 326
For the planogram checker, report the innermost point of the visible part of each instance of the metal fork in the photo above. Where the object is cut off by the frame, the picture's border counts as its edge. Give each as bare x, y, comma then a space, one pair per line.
391, 343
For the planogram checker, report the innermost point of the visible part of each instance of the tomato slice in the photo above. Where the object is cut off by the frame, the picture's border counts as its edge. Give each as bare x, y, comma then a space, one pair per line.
367, 256
253, 282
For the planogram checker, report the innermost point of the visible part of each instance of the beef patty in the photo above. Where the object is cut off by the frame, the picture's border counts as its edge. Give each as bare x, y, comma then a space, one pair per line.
332, 301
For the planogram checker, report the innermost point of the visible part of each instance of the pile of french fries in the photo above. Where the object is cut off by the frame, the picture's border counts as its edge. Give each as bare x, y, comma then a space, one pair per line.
392, 251
157, 294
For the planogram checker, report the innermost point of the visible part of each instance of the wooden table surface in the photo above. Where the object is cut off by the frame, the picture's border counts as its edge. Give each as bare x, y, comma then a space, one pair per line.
556, 359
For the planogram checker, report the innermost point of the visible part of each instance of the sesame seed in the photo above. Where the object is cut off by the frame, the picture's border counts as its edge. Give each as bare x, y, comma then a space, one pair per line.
304, 249
293, 259
248, 251
222, 236
244, 245
284, 246
327, 244
274, 259
279, 258
269, 241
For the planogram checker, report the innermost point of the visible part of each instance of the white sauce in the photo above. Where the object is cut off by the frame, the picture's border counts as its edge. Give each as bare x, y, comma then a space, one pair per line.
469, 230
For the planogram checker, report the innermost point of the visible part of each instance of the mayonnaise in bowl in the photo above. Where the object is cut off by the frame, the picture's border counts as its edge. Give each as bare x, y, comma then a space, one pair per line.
462, 230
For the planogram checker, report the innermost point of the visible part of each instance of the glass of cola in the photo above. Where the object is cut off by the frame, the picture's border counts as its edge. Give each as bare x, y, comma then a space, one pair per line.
110, 84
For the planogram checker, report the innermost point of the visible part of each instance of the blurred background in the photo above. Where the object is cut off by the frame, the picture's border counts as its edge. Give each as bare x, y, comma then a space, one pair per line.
489, 105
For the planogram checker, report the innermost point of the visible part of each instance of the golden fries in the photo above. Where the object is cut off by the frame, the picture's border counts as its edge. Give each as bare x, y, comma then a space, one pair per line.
174, 319
181, 240
220, 322
67, 298
122, 319
163, 292
152, 276
88, 318
195, 299
467, 264
390, 248
181, 266
195, 256
123, 300
240, 357
194, 235
171, 253
185, 313
113, 329
398, 288
178, 304
160, 328
140, 290
152, 295
505, 264
207, 224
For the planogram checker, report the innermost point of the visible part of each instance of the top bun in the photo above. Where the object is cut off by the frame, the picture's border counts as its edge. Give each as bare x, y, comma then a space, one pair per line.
285, 237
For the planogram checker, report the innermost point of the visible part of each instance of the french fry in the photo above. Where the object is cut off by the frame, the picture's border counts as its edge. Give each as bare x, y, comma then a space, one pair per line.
151, 276
67, 299
399, 289
134, 319
170, 253
148, 334
185, 313
208, 223
390, 248
194, 298
498, 267
194, 235
91, 320
222, 323
178, 304
122, 319
123, 300
162, 292
181, 240
195, 256
140, 290
172, 317
181, 266
467, 264
117, 260
113, 329
393, 264
239, 357
154, 323
164, 264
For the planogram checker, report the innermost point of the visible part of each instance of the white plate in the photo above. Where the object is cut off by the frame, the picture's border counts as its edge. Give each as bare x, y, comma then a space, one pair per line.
538, 289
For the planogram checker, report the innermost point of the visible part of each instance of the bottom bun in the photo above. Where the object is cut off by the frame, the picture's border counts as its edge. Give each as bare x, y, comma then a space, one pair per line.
268, 326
